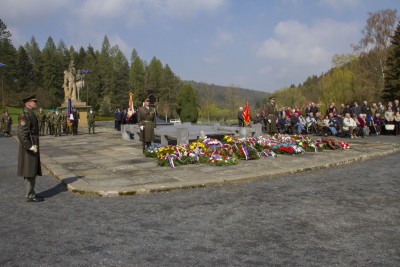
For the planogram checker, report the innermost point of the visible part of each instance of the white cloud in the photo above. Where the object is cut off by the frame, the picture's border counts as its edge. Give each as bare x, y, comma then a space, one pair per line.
341, 4
223, 37
212, 60
184, 8
300, 44
297, 50
25, 11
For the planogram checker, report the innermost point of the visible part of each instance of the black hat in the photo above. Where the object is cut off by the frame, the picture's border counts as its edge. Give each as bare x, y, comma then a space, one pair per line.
272, 97
29, 98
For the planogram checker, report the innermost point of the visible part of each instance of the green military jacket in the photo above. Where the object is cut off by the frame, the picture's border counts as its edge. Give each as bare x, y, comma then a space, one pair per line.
28, 135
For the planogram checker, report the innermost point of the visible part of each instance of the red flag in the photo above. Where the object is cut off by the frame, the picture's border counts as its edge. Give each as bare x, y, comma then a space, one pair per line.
246, 114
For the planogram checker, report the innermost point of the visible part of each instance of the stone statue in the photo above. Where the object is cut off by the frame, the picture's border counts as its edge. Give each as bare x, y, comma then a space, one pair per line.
70, 82
79, 83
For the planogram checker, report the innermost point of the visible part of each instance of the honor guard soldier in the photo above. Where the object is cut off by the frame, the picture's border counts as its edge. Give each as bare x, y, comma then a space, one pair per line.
91, 119
29, 148
6, 122
270, 113
147, 123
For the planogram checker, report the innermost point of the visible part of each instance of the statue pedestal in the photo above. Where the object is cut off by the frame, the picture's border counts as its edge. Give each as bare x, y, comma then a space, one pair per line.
81, 107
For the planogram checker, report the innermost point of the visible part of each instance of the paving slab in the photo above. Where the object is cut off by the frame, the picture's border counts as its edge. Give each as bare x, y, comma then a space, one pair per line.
107, 165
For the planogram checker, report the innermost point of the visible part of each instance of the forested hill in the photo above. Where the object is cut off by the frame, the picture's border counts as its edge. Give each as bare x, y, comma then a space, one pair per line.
229, 96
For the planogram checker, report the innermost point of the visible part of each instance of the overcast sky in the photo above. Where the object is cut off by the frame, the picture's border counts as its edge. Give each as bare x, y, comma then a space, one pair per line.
256, 44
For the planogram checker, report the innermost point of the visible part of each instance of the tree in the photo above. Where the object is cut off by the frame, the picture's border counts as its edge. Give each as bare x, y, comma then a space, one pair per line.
392, 77
7, 55
120, 94
207, 101
5, 35
187, 107
136, 76
34, 54
24, 71
154, 73
373, 46
52, 75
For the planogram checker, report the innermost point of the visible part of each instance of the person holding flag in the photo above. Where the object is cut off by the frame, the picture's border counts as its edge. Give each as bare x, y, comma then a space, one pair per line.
240, 117
246, 114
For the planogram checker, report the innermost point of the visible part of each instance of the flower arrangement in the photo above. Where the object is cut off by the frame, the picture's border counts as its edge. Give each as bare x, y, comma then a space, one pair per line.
232, 149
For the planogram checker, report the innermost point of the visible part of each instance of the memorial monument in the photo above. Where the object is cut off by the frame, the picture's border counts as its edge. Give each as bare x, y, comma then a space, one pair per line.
74, 82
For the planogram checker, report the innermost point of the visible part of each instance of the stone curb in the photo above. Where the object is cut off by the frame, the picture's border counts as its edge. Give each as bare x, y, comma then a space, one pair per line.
76, 185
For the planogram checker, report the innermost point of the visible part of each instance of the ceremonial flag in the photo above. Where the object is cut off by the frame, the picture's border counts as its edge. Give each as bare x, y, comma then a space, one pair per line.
70, 117
131, 111
85, 71
246, 114
2, 65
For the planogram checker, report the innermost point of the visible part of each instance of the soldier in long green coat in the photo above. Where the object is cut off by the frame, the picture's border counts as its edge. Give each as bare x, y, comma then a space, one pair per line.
29, 149
147, 123
91, 120
270, 113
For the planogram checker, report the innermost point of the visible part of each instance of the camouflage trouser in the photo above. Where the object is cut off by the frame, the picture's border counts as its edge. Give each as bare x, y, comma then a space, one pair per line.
41, 128
57, 129
91, 126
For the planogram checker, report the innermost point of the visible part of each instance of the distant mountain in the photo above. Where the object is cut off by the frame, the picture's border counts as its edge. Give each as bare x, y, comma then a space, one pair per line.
226, 95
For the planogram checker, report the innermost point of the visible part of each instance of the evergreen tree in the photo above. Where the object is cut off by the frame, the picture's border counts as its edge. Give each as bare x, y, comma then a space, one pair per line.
120, 96
137, 76
187, 104
7, 55
154, 73
24, 73
105, 69
52, 74
34, 53
392, 77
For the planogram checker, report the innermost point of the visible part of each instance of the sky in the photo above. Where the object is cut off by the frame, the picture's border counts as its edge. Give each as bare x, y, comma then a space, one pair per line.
262, 45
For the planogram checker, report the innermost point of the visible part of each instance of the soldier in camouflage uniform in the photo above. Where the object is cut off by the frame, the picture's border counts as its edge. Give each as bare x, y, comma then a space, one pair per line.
42, 121
48, 124
64, 121
6, 122
91, 119
57, 123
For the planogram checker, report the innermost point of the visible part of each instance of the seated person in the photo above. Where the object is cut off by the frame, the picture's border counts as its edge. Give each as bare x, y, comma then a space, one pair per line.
333, 124
321, 126
350, 125
364, 129
295, 122
378, 123
311, 122
283, 123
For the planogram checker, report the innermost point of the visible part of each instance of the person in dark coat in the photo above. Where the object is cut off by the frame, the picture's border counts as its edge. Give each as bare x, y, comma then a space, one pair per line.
29, 150
240, 117
147, 123
75, 124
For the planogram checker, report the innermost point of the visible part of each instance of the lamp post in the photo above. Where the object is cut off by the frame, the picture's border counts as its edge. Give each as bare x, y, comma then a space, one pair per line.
2, 85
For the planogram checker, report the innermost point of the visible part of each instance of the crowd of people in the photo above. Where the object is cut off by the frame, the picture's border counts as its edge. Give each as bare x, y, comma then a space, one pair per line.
346, 121
125, 116
55, 122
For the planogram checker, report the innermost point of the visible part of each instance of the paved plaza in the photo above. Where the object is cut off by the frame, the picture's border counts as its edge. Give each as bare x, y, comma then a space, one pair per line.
341, 216
105, 164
